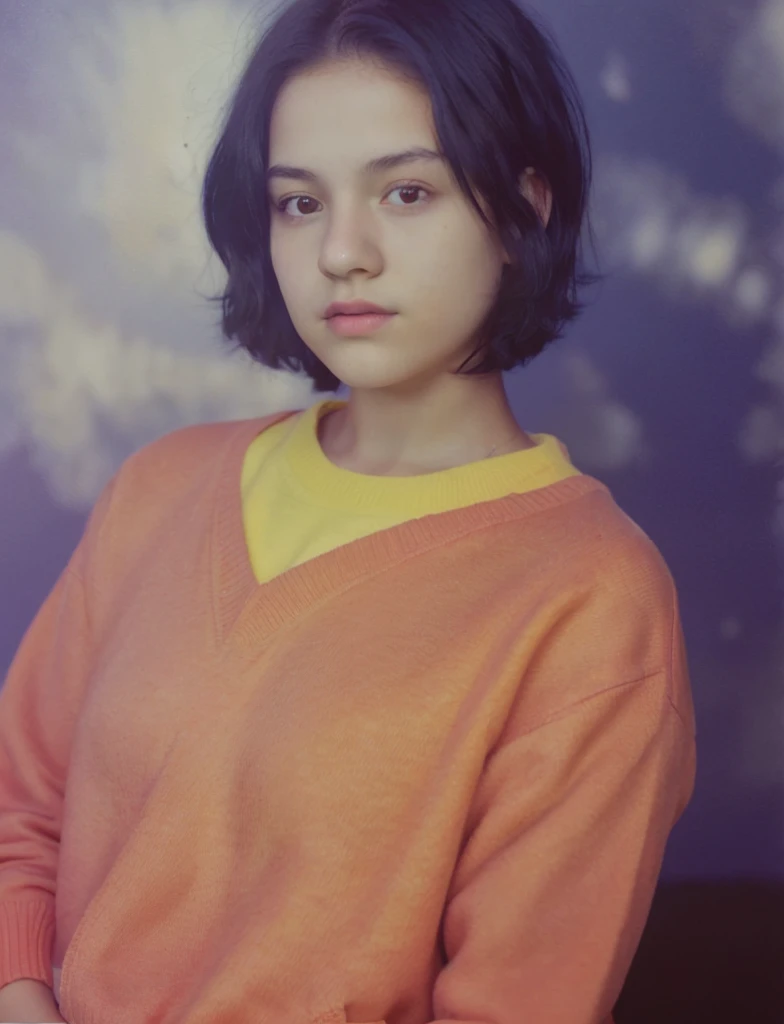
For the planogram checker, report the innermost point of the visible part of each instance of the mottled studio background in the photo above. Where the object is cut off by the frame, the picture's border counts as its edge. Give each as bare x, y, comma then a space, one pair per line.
670, 389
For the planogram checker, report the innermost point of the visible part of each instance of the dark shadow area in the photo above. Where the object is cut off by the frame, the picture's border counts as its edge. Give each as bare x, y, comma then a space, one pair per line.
712, 953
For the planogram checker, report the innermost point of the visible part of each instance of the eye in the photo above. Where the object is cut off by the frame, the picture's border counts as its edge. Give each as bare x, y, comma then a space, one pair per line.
409, 188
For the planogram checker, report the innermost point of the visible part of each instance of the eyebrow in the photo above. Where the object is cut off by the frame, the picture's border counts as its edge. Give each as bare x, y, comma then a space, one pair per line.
381, 163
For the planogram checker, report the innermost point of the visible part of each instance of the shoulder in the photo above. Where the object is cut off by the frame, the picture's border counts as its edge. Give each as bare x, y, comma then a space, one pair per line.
609, 553
609, 613
184, 449
187, 455
176, 471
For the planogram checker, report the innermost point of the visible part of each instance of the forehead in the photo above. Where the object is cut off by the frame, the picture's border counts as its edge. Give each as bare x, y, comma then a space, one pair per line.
345, 113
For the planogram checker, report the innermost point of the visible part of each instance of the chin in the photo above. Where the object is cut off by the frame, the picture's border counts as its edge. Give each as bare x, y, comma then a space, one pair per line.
369, 381
362, 366
379, 379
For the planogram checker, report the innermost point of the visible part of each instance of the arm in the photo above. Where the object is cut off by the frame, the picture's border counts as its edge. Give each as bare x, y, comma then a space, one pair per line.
39, 707
549, 900
567, 828
28, 1002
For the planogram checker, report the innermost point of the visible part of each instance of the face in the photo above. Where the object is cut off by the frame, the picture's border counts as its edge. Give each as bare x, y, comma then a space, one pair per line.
405, 238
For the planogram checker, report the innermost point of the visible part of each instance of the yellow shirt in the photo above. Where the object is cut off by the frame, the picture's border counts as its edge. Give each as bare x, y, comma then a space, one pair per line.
297, 504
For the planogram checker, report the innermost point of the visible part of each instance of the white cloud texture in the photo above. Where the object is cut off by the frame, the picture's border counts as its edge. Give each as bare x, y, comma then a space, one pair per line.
616, 78
652, 223
604, 434
106, 341
754, 78
134, 95
702, 248
69, 377
754, 93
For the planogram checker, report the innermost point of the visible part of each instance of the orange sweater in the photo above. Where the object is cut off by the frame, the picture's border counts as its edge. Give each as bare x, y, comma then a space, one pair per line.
427, 775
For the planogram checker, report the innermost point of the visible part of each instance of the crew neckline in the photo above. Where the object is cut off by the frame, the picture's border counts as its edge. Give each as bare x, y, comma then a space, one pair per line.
247, 612
310, 473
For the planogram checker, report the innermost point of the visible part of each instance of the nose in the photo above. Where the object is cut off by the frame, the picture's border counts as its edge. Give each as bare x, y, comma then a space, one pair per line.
351, 242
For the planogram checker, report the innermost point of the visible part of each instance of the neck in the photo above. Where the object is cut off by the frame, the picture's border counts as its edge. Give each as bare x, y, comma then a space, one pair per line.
386, 434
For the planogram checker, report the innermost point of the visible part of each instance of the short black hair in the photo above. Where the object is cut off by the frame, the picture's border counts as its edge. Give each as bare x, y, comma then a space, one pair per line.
503, 100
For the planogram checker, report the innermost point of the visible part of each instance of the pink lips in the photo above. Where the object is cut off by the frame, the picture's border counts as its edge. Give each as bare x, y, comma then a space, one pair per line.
358, 325
355, 308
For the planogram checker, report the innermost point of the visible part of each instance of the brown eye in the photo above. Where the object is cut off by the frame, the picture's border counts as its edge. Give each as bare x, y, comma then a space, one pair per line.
411, 190
281, 206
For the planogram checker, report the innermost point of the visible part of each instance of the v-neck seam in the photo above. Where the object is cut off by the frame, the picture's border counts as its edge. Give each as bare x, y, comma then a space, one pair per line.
236, 589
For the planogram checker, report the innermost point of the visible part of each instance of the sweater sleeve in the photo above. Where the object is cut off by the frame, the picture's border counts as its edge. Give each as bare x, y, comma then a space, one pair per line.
556, 879
39, 705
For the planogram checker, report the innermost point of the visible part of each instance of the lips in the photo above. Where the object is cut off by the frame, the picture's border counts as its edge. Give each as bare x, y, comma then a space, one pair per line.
354, 309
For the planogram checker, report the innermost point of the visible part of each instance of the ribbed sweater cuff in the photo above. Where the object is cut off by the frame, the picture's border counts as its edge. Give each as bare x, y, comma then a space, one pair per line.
26, 938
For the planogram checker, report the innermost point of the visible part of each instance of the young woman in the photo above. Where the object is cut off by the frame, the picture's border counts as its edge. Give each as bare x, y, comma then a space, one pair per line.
378, 711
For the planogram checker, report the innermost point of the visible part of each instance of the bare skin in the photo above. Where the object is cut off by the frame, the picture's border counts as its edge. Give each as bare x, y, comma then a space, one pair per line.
28, 1002
339, 452
404, 238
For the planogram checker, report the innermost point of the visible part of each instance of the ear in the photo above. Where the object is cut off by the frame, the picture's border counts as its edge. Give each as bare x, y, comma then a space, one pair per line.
537, 191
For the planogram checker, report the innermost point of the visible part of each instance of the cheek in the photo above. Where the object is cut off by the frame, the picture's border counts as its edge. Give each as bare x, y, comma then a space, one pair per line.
458, 285
288, 269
